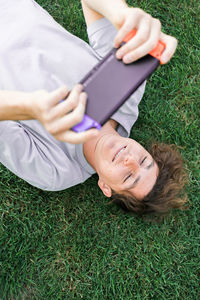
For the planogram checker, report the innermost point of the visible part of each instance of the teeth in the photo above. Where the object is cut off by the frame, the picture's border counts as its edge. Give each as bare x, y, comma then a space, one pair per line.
120, 152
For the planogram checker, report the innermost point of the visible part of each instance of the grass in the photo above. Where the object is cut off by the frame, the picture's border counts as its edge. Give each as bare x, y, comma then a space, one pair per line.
70, 244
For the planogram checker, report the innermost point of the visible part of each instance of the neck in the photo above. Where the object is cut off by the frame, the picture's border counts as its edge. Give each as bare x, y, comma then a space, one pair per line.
90, 146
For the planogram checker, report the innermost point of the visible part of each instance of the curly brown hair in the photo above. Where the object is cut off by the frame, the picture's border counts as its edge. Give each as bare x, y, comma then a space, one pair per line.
168, 191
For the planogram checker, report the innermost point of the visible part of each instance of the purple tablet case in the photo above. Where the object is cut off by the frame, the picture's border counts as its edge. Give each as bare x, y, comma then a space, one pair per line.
109, 84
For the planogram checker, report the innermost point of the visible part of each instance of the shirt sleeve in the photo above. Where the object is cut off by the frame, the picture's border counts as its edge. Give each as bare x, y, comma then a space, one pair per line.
35, 158
20, 154
101, 36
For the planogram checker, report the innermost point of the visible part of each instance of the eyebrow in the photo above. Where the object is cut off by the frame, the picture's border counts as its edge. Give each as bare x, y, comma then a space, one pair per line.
138, 178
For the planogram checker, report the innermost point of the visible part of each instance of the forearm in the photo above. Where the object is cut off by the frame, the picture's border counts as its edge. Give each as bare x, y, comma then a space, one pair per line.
107, 8
14, 105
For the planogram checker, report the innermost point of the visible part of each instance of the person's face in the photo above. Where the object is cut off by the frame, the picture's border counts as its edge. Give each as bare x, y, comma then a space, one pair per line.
123, 165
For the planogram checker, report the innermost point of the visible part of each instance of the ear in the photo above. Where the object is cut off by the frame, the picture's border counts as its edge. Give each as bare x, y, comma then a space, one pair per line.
105, 188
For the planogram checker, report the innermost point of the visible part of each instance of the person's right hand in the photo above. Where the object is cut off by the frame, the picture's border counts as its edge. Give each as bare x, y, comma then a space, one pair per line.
58, 117
147, 36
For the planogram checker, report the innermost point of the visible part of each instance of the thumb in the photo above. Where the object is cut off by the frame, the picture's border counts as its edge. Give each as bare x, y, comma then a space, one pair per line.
125, 29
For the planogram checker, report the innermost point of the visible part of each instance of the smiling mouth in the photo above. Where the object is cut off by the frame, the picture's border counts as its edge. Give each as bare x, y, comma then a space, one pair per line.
118, 152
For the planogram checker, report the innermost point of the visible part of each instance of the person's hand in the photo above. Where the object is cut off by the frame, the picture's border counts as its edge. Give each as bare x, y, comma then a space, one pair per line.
147, 36
58, 117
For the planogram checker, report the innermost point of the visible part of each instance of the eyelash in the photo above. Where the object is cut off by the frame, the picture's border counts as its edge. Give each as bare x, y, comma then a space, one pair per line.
131, 173
128, 177
143, 160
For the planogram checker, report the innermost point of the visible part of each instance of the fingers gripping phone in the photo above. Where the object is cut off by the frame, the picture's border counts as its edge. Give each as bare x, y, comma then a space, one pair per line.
110, 83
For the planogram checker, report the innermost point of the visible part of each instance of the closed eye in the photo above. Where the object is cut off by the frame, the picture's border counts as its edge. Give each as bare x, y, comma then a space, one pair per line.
127, 177
143, 160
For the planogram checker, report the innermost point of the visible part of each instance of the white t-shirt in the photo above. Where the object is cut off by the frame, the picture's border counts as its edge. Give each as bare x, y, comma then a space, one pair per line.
38, 53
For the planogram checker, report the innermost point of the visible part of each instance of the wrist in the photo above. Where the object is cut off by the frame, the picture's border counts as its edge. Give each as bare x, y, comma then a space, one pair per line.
110, 9
115, 15
27, 102
15, 105
21, 104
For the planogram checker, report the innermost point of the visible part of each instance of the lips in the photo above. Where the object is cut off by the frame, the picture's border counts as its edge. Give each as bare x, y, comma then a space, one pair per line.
118, 152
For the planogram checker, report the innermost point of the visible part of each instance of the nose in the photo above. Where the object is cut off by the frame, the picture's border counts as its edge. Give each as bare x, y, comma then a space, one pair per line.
130, 161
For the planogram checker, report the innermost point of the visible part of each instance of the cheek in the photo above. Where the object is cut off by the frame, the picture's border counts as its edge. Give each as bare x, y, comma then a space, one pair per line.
110, 175
106, 172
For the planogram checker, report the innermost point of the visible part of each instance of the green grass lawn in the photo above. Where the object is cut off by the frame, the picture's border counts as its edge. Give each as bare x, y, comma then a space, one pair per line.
70, 244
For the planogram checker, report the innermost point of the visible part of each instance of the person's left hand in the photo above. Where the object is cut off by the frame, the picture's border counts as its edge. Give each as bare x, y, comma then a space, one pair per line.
58, 116
147, 36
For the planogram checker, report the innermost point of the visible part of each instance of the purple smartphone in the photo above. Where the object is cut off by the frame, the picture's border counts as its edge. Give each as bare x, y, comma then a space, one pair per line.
109, 84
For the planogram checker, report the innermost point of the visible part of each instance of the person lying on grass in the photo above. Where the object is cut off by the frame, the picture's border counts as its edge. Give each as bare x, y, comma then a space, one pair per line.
41, 63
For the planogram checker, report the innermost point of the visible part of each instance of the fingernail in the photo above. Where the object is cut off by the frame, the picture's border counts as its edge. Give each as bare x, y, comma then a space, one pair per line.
83, 101
119, 54
79, 87
164, 59
127, 59
116, 44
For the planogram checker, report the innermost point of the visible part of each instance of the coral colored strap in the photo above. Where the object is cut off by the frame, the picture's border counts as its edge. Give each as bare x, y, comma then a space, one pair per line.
156, 52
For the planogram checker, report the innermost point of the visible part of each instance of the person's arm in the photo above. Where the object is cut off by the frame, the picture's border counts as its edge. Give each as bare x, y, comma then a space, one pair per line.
125, 19
107, 8
13, 105
57, 117
90, 14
